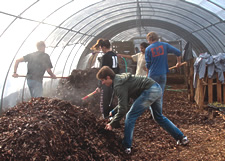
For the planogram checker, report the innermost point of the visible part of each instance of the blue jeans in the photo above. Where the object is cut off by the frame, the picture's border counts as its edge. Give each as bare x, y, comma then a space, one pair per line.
150, 97
35, 88
161, 80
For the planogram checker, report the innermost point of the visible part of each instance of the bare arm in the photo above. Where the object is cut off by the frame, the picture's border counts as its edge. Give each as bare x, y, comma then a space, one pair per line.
146, 69
51, 73
15, 75
125, 56
178, 61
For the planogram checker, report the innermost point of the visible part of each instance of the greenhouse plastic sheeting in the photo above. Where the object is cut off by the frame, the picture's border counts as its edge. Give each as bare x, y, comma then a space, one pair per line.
70, 28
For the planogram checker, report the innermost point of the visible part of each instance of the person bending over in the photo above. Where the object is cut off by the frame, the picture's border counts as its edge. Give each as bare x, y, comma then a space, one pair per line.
146, 92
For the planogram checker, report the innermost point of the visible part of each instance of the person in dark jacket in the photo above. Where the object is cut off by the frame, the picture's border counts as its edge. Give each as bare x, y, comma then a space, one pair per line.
109, 59
146, 92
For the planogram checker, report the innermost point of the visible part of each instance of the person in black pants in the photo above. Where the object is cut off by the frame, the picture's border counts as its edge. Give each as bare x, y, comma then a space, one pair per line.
109, 59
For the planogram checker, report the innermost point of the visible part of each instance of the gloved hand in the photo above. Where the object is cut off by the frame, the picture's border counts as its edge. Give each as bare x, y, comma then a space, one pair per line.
108, 127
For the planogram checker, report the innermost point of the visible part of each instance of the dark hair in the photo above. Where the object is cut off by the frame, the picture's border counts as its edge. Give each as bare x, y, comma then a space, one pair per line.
97, 45
101, 43
144, 44
105, 43
104, 72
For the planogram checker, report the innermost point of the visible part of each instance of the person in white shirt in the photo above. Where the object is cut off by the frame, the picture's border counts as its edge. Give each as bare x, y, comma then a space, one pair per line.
140, 59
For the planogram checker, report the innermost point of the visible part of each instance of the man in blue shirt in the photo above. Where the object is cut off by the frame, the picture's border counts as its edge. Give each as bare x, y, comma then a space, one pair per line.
156, 58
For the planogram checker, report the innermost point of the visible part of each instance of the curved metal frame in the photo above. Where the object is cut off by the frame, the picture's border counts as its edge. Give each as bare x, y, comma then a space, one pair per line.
191, 20
92, 21
16, 55
115, 28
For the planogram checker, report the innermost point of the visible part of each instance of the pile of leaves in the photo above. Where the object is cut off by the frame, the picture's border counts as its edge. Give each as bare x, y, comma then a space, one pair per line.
79, 84
69, 129
52, 129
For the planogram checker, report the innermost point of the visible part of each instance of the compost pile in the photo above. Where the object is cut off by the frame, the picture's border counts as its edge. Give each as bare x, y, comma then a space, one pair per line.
56, 129
79, 84
52, 129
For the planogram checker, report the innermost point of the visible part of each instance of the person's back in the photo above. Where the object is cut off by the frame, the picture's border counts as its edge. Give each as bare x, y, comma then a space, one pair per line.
110, 59
37, 64
157, 57
131, 85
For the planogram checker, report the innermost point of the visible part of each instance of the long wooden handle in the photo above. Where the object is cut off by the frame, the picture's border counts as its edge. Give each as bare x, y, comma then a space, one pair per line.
175, 66
89, 95
43, 76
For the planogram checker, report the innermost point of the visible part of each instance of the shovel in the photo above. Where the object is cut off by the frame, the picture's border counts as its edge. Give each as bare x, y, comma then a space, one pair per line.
188, 55
43, 76
89, 95
175, 66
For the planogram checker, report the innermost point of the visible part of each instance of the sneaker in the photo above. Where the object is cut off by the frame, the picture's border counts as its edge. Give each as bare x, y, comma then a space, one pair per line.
183, 141
128, 150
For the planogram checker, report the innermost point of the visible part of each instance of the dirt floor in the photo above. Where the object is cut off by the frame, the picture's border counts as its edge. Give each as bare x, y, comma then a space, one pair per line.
54, 129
